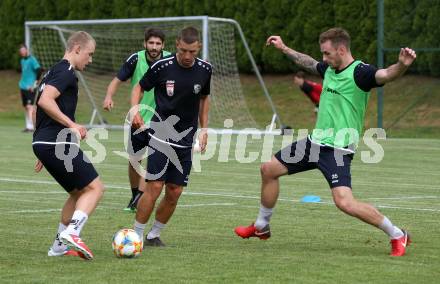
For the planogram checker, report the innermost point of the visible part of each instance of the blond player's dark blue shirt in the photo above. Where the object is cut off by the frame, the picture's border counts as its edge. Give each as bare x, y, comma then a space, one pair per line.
62, 77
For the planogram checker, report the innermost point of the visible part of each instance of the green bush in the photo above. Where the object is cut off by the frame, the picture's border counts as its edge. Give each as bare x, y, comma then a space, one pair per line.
299, 22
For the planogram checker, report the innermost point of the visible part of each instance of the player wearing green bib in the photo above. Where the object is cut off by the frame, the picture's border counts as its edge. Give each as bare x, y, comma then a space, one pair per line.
330, 148
344, 110
135, 67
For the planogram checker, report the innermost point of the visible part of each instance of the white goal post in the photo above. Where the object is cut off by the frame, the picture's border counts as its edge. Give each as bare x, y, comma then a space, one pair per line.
118, 38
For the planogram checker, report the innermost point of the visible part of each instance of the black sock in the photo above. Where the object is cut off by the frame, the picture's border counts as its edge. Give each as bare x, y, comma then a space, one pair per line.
134, 192
136, 199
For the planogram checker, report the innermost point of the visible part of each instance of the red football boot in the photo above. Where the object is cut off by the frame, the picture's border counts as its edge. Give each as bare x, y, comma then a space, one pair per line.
398, 246
77, 244
252, 231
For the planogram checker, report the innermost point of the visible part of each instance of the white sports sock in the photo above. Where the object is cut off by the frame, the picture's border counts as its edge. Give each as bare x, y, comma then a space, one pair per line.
78, 221
57, 245
263, 217
29, 122
390, 229
155, 230
26, 118
139, 228
30, 125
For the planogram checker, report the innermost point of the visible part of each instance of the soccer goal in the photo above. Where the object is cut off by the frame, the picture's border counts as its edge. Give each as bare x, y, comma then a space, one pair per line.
118, 38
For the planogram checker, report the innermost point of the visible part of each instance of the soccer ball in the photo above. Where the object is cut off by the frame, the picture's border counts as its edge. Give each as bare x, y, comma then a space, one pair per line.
126, 243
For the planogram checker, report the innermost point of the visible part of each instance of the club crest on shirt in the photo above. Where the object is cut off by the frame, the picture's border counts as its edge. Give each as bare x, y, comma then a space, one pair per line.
170, 87
197, 88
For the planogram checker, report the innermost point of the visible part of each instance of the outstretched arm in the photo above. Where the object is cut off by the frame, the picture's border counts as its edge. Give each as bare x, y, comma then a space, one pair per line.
406, 58
303, 60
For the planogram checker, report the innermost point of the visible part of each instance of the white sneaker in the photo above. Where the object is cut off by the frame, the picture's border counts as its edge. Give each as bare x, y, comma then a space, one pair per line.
53, 252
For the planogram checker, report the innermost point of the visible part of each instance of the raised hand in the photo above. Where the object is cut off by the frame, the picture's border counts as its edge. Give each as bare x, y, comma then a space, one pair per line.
407, 56
275, 41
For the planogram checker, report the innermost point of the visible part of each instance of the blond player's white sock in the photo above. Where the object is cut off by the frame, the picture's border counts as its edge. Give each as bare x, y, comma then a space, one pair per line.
57, 245
78, 221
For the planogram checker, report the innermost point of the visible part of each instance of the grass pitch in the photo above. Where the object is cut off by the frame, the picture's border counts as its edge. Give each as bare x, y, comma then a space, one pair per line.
311, 243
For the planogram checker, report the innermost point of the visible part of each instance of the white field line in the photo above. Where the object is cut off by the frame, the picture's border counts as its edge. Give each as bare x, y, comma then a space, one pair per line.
185, 192
240, 175
393, 207
232, 195
34, 192
318, 180
26, 181
207, 204
403, 197
118, 208
407, 208
34, 211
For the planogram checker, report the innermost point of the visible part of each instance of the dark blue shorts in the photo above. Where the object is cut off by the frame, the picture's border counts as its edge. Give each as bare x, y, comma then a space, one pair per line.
169, 164
137, 143
81, 174
27, 97
303, 155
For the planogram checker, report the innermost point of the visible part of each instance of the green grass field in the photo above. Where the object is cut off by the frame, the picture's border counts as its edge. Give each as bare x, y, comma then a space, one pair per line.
311, 243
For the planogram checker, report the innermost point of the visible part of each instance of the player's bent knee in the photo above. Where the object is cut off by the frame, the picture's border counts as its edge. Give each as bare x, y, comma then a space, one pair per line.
171, 200
265, 169
96, 186
154, 188
75, 194
345, 204
173, 192
174, 187
268, 170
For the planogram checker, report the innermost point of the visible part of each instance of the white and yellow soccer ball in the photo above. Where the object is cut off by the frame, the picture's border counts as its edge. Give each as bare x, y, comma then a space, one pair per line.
127, 243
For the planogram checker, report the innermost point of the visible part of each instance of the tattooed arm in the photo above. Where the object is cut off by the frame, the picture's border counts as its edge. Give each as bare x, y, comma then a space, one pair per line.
303, 60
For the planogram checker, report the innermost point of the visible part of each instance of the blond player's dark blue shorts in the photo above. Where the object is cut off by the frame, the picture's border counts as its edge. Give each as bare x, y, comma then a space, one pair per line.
79, 175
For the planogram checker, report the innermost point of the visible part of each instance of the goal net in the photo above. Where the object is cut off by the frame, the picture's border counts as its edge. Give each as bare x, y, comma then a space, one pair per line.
118, 39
